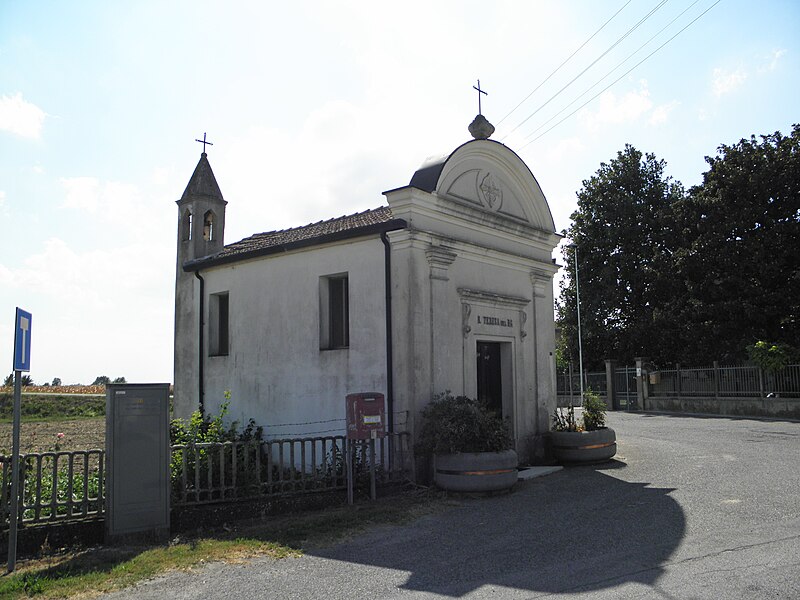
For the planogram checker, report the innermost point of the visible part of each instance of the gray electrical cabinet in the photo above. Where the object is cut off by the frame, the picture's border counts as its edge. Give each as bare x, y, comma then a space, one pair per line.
137, 455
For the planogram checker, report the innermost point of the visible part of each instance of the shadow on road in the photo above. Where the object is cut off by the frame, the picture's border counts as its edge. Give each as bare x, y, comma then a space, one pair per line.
580, 529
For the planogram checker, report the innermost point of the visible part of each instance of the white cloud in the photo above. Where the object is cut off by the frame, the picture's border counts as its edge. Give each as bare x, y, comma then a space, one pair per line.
98, 311
110, 201
613, 110
660, 113
21, 117
5, 211
773, 60
566, 148
82, 193
724, 82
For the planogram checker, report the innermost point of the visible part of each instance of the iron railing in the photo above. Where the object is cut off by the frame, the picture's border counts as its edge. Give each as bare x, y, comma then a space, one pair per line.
67, 486
221, 472
726, 382
625, 386
745, 381
569, 385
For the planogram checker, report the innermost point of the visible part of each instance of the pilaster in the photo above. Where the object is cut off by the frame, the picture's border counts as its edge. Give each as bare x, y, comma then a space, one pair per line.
439, 260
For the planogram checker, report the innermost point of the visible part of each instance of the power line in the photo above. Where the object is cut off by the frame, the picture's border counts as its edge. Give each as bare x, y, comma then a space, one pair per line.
594, 85
623, 75
563, 63
609, 49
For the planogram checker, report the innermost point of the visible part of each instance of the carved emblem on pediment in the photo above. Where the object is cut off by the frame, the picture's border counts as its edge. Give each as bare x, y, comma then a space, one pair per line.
491, 193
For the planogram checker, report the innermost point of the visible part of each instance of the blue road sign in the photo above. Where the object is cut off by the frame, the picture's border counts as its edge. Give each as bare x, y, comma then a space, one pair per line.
22, 341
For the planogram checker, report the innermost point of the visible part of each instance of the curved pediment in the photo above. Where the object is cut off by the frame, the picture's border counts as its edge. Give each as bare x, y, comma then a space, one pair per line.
488, 175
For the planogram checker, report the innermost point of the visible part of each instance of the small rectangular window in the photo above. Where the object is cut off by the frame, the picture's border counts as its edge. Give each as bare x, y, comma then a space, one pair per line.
334, 312
219, 324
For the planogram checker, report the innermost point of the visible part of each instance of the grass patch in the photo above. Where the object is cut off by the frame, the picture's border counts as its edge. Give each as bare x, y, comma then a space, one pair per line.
100, 570
52, 408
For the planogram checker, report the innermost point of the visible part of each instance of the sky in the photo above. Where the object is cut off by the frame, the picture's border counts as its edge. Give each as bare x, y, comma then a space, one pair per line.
315, 109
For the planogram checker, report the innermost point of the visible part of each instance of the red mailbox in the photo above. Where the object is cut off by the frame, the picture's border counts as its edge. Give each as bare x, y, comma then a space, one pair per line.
366, 416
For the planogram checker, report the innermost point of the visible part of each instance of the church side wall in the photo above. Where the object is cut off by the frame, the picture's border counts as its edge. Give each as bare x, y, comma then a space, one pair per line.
275, 370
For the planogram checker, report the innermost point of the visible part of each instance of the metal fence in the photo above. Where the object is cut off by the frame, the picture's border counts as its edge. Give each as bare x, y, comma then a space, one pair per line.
726, 382
625, 386
716, 381
569, 384
55, 486
222, 472
68, 486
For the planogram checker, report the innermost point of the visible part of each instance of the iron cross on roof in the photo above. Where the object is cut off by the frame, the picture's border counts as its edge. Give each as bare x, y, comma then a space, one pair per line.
204, 142
480, 91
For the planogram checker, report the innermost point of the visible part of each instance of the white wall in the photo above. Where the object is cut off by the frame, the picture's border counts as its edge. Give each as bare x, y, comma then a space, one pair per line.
275, 370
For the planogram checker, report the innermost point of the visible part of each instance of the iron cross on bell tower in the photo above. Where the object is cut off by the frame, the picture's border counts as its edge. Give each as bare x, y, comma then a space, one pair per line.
204, 142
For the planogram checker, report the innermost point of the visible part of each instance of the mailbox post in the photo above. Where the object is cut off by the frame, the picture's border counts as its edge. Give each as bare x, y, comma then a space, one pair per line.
366, 421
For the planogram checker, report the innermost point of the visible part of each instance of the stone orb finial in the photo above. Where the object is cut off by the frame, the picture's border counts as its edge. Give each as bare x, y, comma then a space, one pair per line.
480, 128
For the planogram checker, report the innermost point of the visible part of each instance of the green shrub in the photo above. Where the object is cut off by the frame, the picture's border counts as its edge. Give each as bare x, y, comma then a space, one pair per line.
594, 415
771, 357
51, 408
564, 420
204, 429
455, 424
594, 411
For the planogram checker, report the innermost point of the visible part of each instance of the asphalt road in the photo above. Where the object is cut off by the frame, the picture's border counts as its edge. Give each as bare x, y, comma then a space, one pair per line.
694, 507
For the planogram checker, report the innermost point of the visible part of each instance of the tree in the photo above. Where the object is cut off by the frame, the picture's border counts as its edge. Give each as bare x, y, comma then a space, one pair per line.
56, 381
740, 249
24, 380
119, 380
101, 380
622, 232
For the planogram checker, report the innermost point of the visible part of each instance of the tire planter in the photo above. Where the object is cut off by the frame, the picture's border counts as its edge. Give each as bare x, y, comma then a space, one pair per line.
475, 472
584, 447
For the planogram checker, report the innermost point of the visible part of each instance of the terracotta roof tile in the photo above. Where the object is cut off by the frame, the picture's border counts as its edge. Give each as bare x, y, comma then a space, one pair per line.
262, 243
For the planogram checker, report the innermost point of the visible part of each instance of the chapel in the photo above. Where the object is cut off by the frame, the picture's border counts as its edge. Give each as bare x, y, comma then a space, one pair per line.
447, 285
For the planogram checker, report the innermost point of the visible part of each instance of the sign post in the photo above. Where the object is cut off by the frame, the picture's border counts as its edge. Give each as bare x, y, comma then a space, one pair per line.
22, 362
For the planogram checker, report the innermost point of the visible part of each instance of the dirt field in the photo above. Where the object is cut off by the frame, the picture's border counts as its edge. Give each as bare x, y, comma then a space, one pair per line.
80, 434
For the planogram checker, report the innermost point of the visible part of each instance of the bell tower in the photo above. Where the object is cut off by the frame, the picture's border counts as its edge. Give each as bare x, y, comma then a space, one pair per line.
201, 210
201, 233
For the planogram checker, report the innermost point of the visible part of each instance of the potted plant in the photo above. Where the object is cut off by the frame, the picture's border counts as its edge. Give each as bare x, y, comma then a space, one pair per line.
471, 447
585, 441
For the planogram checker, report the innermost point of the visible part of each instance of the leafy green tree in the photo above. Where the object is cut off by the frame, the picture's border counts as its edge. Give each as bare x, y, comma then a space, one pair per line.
739, 255
623, 234
771, 357
101, 380
119, 380
56, 381
25, 379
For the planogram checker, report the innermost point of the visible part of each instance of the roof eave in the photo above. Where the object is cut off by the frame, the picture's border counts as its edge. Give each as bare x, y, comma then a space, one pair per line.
212, 261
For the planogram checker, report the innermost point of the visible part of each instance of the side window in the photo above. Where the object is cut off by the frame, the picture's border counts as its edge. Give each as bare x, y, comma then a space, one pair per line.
334, 312
218, 324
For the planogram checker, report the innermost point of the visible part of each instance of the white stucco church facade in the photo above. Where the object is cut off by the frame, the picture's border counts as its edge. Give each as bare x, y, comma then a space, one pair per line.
447, 285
